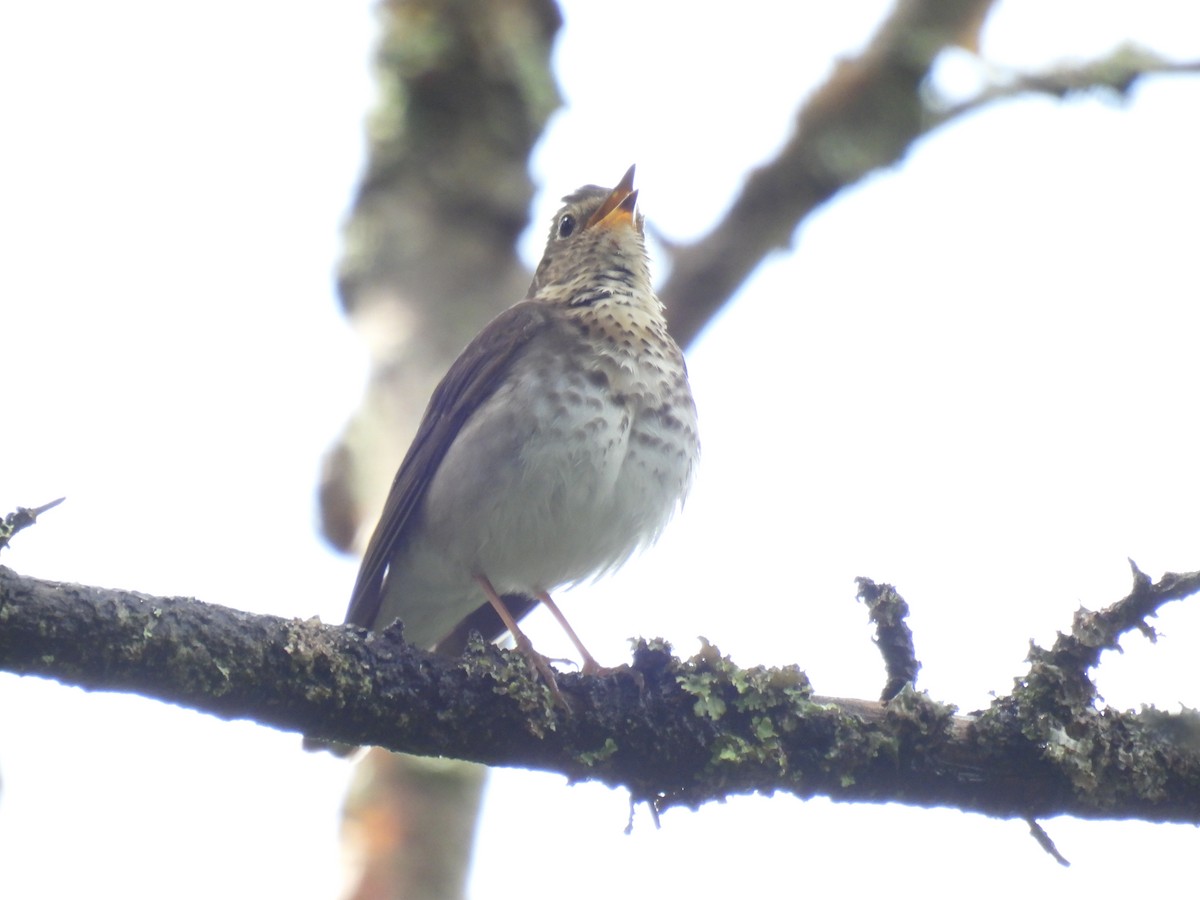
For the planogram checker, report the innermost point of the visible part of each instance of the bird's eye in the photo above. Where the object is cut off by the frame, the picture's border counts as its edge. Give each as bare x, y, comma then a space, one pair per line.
566, 225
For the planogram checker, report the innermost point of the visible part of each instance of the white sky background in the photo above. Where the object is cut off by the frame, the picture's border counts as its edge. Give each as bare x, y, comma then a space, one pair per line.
989, 354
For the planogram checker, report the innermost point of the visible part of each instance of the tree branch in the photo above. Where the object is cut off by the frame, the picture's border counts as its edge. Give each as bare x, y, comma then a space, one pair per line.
21, 518
863, 118
672, 731
1117, 72
893, 637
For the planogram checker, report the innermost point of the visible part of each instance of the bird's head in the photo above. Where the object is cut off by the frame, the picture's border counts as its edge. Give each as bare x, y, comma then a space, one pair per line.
596, 250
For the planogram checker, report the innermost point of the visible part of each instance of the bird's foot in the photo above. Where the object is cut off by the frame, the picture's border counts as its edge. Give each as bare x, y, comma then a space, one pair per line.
541, 665
591, 667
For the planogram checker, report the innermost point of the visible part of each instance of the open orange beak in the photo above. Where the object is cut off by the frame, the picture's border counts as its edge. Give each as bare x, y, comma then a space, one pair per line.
619, 207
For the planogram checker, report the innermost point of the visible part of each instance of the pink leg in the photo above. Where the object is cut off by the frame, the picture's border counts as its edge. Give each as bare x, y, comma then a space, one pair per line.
523, 642
590, 666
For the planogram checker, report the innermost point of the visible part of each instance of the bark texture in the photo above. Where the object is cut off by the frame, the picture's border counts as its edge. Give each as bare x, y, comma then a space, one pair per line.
672, 731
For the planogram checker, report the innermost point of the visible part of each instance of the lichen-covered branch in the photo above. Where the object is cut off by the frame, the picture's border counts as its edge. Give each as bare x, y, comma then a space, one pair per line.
673, 731
893, 637
1119, 760
21, 518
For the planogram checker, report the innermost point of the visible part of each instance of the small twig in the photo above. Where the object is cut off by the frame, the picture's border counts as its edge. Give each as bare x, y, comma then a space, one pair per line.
1044, 841
22, 518
1064, 669
1093, 632
1118, 72
894, 638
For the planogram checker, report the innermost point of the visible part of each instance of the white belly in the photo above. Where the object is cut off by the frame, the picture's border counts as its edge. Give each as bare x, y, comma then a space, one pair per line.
538, 491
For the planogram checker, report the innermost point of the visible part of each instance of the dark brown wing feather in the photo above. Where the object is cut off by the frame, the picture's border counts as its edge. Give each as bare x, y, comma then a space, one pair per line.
475, 375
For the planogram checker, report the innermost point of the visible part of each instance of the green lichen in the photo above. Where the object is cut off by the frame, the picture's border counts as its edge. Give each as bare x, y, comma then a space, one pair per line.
702, 686
513, 675
591, 758
757, 707
151, 623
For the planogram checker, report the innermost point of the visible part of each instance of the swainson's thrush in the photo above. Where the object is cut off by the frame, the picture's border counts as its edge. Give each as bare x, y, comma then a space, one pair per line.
561, 441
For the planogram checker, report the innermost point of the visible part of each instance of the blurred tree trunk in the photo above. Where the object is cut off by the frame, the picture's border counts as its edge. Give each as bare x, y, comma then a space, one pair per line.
409, 825
465, 90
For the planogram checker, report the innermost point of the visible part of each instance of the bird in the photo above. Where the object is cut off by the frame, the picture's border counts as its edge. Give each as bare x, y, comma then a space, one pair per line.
560, 442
